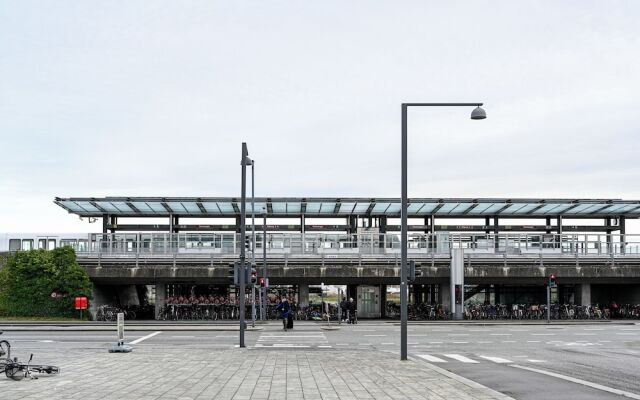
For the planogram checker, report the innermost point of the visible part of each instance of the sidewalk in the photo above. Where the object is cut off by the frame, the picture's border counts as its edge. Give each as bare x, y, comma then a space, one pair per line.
151, 372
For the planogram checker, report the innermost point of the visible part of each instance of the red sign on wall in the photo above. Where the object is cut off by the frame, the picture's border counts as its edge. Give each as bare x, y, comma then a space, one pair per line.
81, 303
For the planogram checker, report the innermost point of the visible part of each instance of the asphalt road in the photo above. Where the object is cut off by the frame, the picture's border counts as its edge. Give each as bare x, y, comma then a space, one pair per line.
514, 359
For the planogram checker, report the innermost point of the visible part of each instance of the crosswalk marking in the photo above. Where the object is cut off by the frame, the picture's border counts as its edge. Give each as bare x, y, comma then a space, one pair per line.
458, 357
431, 358
461, 358
497, 360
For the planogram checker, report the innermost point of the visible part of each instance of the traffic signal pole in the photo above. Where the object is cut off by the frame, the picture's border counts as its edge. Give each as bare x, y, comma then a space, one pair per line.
253, 244
243, 266
548, 302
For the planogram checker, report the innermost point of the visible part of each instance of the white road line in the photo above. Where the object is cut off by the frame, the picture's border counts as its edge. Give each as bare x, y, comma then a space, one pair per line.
593, 329
431, 358
536, 361
580, 382
496, 360
435, 342
324, 347
45, 341
460, 358
460, 342
604, 341
294, 336
485, 342
145, 337
533, 341
387, 344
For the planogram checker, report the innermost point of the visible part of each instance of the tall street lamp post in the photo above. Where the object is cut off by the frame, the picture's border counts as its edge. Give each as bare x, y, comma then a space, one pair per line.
253, 242
246, 161
477, 113
264, 263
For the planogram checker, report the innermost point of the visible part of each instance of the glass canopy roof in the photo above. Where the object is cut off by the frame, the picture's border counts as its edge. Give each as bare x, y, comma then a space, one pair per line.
337, 207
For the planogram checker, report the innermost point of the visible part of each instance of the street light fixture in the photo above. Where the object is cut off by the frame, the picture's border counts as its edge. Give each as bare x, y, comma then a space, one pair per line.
477, 113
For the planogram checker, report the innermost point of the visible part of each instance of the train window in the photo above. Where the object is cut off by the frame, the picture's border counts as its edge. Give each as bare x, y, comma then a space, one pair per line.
82, 245
14, 244
27, 244
68, 242
42, 244
52, 244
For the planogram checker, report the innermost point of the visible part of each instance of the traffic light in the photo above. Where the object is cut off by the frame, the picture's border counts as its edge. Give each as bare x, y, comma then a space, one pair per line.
232, 273
261, 282
254, 275
552, 280
413, 271
247, 243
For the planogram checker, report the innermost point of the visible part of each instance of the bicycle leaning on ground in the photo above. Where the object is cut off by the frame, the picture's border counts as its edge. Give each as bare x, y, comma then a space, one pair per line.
16, 370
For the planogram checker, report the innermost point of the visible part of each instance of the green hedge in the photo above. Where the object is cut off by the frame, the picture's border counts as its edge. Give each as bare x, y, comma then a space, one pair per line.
30, 277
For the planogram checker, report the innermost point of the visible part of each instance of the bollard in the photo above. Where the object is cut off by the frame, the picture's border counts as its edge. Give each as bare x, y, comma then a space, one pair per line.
120, 347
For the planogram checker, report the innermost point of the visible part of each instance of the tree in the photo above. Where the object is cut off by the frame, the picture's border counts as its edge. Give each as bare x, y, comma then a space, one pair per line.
41, 283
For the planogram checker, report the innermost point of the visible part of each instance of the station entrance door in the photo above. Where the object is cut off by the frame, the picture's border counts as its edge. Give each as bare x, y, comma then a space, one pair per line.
368, 301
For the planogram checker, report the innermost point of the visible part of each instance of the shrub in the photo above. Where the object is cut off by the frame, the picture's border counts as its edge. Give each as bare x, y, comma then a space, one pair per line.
29, 279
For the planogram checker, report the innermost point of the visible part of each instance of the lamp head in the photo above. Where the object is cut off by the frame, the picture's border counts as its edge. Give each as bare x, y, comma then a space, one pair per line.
478, 113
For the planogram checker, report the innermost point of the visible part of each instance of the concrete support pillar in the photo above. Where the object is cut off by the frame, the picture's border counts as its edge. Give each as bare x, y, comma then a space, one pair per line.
99, 296
303, 295
457, 283
623, 232
445, 297
583, 294
128, 295
161, 296
383, 301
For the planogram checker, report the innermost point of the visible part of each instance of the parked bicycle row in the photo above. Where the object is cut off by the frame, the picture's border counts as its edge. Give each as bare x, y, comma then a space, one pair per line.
424, 311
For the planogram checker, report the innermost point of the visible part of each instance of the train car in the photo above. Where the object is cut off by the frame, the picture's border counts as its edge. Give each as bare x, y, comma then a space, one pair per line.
48, 241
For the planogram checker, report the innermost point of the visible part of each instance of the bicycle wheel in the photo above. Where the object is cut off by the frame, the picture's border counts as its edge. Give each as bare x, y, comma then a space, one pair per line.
13, 371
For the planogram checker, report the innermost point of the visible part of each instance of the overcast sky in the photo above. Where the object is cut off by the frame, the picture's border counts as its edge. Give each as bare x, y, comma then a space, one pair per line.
154, 98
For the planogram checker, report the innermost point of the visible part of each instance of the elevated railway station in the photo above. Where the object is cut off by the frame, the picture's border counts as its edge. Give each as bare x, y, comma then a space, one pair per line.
510, 246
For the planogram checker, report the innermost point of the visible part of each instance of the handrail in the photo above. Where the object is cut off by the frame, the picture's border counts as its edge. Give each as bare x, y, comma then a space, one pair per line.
365, 244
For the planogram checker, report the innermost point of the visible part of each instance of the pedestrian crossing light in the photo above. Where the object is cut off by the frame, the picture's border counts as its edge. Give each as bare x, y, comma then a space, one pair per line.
232, 273
247, 242
254, 275
261, 282
552, 280
413, 271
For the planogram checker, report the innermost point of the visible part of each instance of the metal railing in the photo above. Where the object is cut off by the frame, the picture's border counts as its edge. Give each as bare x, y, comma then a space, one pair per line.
361, 244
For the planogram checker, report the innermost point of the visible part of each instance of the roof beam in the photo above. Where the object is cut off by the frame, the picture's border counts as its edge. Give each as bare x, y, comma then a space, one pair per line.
131, 206
166, 207
474, 205
568, 209
93, 203
234, 204
435, 210
632, 210
269, 206
303, 206
503, 208
537, 208
337, 207
370, 208
201, 207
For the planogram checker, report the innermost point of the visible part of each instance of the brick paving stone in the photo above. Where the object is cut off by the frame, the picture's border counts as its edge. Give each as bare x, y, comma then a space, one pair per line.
154, 373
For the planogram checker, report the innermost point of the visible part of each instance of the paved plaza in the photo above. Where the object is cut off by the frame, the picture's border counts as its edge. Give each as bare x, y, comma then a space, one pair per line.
168, 372
584, 361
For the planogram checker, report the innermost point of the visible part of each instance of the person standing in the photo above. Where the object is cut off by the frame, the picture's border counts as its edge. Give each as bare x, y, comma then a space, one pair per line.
285, 310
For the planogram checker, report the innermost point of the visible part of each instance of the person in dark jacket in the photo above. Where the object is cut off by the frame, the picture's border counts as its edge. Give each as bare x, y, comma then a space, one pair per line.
285, 310
343, 309
353, 309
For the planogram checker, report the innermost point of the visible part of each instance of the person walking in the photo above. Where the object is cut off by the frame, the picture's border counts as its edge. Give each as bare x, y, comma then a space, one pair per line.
285, 310
353, 309
343, 309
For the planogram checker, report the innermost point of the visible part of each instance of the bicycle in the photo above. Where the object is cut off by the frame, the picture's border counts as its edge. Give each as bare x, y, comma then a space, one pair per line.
17, 371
